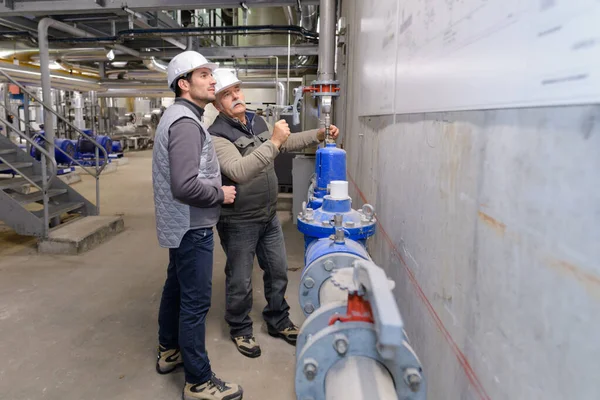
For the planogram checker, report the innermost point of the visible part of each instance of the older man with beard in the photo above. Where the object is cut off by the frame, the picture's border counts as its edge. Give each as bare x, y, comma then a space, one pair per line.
246, 148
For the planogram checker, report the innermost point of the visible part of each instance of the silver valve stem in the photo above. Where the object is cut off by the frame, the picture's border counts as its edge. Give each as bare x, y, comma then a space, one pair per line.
340, 236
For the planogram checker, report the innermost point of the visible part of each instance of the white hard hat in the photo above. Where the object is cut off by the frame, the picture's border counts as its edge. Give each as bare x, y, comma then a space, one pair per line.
226, 78
186, 62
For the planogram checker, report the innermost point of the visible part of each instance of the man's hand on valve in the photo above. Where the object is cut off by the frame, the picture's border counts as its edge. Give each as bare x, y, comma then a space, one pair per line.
333, 132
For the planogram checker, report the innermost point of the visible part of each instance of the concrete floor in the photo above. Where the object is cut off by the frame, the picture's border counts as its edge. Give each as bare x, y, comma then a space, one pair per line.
85, 327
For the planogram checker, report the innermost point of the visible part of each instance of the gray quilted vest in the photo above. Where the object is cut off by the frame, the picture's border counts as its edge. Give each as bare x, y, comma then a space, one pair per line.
256, 200
172, 216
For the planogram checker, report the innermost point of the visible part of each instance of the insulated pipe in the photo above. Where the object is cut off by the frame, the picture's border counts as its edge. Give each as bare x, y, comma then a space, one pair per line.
154, 93
359, 378
124, 75
279, 86
327, 41
43, 27
154, 64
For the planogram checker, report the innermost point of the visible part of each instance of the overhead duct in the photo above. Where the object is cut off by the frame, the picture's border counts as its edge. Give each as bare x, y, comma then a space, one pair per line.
78, 68
154, 64
120, 92
31, 76
306, 19
309, 18
154, 90
135, 74
267, 84
74, 55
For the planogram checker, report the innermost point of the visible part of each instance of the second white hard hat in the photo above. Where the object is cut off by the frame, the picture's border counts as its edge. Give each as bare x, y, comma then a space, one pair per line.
226, 78
184, 63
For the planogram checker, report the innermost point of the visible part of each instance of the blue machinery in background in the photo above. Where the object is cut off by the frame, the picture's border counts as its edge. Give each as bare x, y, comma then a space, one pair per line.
81, 150
352, 344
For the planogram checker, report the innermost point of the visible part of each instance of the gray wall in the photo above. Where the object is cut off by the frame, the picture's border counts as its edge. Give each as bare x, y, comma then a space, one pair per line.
490, 226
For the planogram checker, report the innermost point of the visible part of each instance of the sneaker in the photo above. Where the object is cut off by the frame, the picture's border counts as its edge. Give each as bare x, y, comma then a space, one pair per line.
168, 360
247, 345
289, 333
213, 389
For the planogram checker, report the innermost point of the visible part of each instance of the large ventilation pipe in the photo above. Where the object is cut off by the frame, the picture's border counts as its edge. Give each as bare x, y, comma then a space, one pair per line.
307, 18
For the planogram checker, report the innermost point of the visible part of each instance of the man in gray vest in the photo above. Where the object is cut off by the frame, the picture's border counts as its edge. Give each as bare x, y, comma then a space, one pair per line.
188, 197
246, 149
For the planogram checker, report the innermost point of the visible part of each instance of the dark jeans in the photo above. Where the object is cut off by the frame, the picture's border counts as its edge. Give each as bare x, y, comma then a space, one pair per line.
241, 241
186, 301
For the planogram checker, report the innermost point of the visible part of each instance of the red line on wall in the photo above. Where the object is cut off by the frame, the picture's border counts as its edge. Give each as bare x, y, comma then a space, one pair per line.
462, 359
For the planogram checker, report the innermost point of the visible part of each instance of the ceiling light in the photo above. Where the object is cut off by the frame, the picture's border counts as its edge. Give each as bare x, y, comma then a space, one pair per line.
110, 55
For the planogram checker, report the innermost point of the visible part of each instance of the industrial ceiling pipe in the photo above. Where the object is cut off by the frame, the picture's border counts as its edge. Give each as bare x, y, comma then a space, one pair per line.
114, 93
198, 31
327, 41
43, 27
266, 84
157, 65
139, 20
144, 90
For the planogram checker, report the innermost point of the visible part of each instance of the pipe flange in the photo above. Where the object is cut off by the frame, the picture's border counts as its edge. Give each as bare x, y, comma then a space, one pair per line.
315, 275
343, 278
317, 321
322, 352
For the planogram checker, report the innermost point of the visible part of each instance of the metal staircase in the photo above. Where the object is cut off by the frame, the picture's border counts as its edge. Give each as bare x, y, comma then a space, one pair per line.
33, 201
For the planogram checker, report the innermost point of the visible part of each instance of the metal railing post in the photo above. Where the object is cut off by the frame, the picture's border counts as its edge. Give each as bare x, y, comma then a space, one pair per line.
98, 181
45, 186
27, 118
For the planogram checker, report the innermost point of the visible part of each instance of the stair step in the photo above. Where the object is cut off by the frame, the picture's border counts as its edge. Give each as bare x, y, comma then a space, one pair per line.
4, 152
17, 165
36, 196
56, 210
16, 182
81, 235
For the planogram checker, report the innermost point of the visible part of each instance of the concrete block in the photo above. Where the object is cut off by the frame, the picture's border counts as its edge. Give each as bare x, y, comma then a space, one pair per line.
70, 178
121, 161
82, 235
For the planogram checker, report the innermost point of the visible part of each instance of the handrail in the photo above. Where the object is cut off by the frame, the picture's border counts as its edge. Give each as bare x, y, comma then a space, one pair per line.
45, 180
42, 150
83, 167
90, 138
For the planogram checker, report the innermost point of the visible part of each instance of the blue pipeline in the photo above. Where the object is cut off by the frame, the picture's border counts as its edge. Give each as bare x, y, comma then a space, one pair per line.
321, 225
323, 247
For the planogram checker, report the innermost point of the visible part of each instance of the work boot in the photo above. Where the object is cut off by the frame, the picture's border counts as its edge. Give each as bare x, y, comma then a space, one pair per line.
247, 345
289, 333
168, 360
213, 389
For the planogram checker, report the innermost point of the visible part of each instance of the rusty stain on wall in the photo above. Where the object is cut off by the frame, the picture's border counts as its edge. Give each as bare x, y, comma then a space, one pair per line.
492, 223
590, 281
